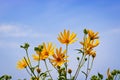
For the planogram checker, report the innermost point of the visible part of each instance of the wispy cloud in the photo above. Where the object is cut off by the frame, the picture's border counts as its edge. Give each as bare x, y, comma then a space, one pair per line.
12, 35
18, 31
115, 30
11, 31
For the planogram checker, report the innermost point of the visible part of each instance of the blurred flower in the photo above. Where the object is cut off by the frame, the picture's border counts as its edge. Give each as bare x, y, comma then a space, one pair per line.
36, 57
59, 57
22, 64
92, 34
48, 50
86, 42
89, 44
66, 37
109, 74
87, 47
94, 43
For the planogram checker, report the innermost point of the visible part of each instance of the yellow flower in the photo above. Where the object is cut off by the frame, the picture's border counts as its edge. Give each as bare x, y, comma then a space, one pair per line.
36, 57
21, 64
66, 37
94, 43
92, 34
59, 57
86, 42
48, 50
89, 45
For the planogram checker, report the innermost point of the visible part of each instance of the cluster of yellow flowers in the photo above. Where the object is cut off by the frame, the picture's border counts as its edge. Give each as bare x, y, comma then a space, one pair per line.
89, 42
59, 57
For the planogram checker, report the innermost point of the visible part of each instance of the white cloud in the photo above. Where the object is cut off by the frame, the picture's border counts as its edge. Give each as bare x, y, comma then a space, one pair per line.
18, 31
10, 35
116, 30
11, 31
112, 31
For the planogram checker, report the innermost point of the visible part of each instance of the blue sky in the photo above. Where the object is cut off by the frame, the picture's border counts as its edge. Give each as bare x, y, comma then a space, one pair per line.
41, 20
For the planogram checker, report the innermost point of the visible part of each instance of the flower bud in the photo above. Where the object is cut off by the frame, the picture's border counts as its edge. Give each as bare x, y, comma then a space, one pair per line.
38, 70
25, 46
85, 59
78, 58
69, 71
85, 31
58, 67
93, 54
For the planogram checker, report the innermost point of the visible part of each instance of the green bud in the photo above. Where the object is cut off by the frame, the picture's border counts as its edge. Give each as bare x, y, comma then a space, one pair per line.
85, 31
39, 48
85, 59
25, 46
36, 48
78, 58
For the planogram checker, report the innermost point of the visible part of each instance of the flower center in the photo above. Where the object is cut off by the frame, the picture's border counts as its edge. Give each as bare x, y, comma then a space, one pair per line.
46, 53
67, 41
58, 59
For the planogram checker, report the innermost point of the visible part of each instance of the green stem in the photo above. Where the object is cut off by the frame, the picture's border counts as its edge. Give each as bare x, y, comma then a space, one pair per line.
87, 67
39, 64
28, 72
90, 67
78, 68
70, 76
28, 57
52, 64
81, 63
116, 77
66, 59
91, 64
39, 61
119, 77
48, 70
30, 68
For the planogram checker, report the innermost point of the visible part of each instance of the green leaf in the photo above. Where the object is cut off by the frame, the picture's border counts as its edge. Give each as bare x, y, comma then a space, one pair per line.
84, 73
79, 50
100, 75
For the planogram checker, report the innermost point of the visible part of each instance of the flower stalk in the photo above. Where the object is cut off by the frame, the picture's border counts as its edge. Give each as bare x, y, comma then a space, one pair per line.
48, 69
